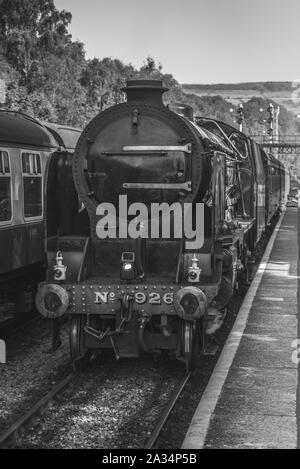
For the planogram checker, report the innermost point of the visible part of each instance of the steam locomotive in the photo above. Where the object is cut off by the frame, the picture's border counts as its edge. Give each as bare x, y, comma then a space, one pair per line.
25, 148
151, 224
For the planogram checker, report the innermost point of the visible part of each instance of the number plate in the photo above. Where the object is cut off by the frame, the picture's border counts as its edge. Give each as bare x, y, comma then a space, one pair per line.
105, 299
153, 298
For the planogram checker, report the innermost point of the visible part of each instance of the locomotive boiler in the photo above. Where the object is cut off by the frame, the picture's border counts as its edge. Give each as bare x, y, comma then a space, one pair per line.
149, 228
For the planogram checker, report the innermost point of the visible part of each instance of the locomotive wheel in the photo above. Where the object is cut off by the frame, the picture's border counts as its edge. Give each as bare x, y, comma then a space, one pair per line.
76, 336
189, 343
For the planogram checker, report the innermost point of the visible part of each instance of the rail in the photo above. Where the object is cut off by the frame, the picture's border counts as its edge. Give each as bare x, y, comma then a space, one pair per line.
10, 436
167, 411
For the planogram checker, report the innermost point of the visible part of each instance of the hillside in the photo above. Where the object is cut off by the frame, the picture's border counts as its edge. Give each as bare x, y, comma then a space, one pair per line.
284, 93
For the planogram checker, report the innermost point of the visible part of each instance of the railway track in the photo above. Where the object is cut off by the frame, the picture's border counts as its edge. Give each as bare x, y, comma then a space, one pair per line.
167, 411
10, 437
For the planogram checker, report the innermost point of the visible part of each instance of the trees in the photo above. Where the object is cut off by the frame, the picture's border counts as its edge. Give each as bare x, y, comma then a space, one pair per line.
48, 76
103, 80
29, 29
35, 104
58, 76
47, 64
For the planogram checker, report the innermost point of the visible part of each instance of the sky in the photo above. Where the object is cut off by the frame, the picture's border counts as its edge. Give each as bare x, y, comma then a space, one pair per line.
197, 41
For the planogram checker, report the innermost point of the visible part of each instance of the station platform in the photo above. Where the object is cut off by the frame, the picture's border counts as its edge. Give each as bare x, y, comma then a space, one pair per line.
251, 398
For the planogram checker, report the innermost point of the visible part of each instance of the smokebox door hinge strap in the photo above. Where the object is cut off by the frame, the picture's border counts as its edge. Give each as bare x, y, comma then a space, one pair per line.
184, 148
186, 186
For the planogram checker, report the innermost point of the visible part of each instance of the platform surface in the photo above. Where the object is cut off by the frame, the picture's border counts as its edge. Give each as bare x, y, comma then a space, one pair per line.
251, 398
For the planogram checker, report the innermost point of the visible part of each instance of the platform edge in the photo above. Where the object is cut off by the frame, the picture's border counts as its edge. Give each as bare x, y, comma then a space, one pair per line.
199, 426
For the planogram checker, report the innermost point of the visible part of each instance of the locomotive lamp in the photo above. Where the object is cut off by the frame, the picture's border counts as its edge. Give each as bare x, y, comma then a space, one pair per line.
194, 271
59, 268
127, 270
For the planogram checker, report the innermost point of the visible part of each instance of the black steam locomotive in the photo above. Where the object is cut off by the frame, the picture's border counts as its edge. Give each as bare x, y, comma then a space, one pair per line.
151, 225
25, 148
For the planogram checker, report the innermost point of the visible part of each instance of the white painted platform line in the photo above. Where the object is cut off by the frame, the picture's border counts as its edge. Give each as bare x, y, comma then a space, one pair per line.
197, 431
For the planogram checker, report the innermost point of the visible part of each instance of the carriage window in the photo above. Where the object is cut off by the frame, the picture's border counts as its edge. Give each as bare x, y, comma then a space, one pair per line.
5, 187
32, 182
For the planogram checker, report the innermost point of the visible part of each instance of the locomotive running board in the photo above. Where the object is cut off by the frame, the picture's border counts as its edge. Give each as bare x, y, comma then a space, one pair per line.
186, 186
185, 148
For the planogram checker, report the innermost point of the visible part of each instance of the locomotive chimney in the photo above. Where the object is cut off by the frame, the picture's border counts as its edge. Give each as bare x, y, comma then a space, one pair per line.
149, 91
